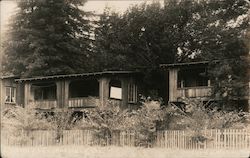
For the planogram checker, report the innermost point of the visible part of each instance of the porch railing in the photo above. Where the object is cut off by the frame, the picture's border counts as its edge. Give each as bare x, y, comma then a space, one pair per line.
192, 92
84, 102
43, 104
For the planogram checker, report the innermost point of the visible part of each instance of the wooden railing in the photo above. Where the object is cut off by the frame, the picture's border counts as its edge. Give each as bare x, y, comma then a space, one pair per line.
193, 92
84, 102
43, 104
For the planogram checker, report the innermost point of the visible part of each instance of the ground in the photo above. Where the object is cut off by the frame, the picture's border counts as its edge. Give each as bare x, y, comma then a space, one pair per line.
115, 152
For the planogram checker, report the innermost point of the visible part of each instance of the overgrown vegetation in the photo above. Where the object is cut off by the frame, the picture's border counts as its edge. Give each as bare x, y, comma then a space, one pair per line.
151, 117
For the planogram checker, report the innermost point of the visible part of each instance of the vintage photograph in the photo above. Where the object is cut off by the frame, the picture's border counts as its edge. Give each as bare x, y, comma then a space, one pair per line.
125, 78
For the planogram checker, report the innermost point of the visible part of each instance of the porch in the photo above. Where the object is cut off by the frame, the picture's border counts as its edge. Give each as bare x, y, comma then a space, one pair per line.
189, 83
80, 91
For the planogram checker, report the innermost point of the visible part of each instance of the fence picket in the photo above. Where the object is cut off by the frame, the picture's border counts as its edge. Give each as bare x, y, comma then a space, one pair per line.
226, 139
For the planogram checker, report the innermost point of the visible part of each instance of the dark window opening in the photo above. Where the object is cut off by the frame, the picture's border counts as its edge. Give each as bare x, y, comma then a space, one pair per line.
192, 78
115, 89
44, 91
84, 88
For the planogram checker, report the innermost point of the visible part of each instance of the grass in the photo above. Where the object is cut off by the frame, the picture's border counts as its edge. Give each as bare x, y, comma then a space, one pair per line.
115, 152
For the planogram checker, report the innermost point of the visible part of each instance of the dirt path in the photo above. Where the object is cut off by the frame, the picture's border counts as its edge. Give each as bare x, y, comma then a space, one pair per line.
115, 152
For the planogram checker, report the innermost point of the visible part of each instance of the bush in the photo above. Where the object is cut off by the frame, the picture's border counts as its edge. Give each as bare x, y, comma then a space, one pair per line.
105, 120
18, 121
19, 118
198, 116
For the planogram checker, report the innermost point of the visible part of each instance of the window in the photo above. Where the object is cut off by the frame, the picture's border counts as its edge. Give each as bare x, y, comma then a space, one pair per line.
84, 88
192, 78
115, 89
132, 93
44, 91
10, 95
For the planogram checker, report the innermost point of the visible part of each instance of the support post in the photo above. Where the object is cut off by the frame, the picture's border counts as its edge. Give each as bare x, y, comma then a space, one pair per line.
66, 93
59, 94
27, 91
124, 104
103, 90
173, 84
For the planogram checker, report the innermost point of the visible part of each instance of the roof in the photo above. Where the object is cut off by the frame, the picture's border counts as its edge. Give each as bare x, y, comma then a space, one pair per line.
8, 77
76, 75
184, 64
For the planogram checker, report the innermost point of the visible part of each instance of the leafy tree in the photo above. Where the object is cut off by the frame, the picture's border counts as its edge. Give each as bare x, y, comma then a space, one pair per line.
48, 37
107, 49
181, 31
219, 29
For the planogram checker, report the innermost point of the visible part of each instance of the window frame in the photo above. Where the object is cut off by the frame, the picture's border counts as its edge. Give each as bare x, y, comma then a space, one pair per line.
132, 93
12, 94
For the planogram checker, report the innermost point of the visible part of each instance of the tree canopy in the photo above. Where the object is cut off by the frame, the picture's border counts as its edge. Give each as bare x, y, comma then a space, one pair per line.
48, 37
179, 31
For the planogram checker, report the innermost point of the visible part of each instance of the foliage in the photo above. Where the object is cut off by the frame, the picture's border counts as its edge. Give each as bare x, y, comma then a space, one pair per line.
44, 34
105, 120
144, 121
19, 118
62, 119
198, 116
180, 31
218, 30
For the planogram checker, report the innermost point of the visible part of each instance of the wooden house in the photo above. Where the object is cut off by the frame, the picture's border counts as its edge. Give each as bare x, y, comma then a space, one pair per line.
75, 91
190, 80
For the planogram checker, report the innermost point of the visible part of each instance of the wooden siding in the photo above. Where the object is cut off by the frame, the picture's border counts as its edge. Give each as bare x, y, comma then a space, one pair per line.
83, 102
193, 92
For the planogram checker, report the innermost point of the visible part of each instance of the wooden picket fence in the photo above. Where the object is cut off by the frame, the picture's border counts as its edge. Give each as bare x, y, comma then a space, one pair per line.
214, 139
67, 137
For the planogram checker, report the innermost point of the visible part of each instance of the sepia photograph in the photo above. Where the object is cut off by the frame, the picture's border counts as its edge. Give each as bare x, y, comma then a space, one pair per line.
125, 78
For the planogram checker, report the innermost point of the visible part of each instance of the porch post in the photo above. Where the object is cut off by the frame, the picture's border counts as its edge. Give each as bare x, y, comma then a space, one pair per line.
173, 84
66, 93
27, 97
103, 90
59, 94
124, 93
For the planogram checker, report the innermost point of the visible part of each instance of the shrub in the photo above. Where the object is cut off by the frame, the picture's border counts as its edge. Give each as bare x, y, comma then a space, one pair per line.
144, 122
18, 121
105, 120
198, 116
19, 118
